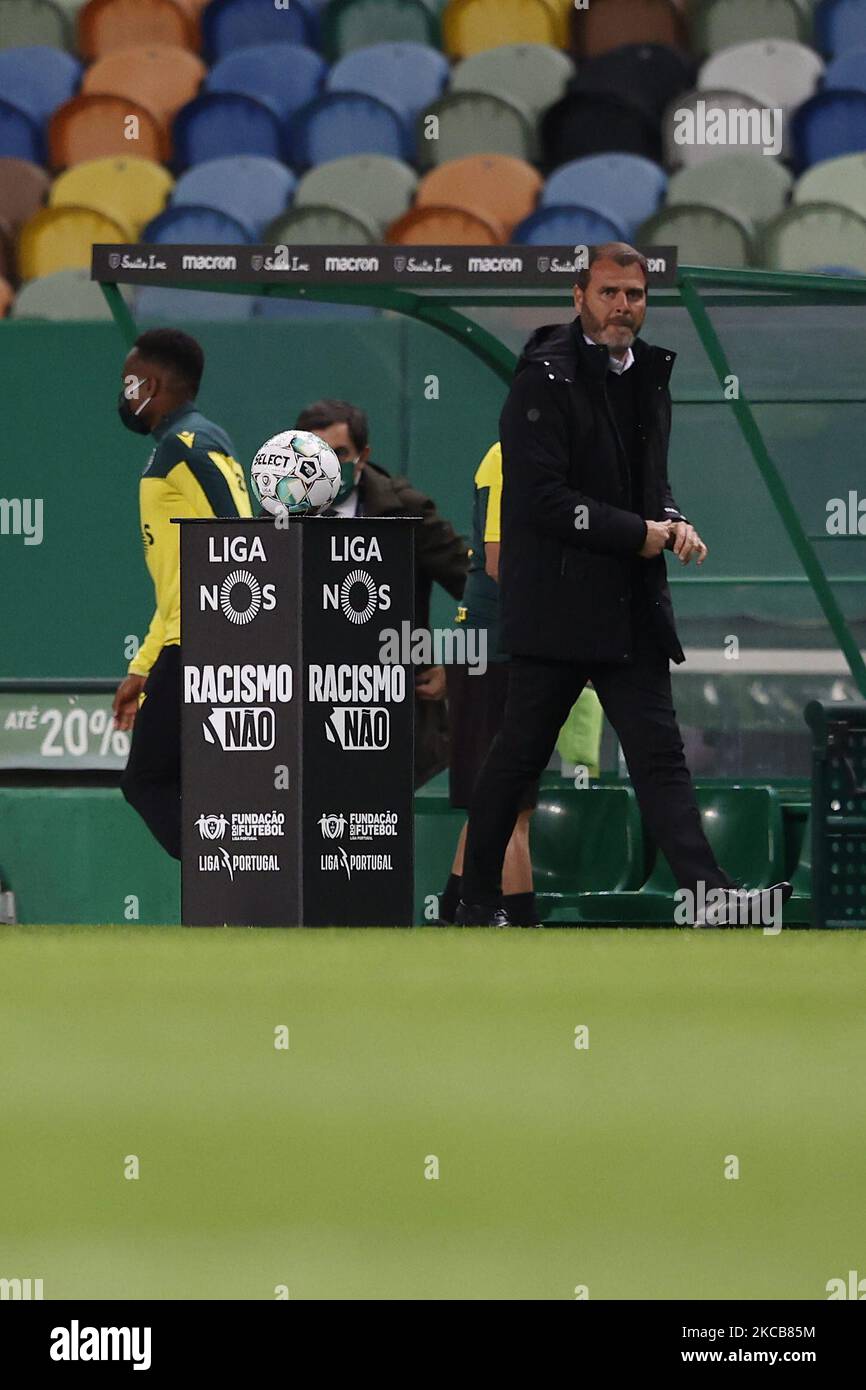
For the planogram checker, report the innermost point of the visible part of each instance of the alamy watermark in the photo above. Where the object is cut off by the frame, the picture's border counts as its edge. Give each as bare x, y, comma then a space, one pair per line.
22, 516
438, 646
739, 127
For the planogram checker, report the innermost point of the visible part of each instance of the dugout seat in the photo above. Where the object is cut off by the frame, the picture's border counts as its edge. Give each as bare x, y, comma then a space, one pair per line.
350, 24
379, 187
429, 226
470, 26
473, 123
840, 25
38, 79
231, 24
96, 127
63, 296
320, 226
20, 135
337, 124
27, 22
586, 123
62, 239
648, 74
250, 188
159, 78
284, 76
792, 240
752, 186
105, 25
131, 191
569, 225
189, 225
608, 24
627, 188
498, 187
778, 71
828, 125
848, 71
841, 181
720, 24
23, 190
702, 235
585, 842
533, 74
217, 124
409, 76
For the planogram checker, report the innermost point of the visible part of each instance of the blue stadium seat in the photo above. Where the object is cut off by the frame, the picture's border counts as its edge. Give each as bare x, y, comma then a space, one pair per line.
829, 124
409, 76
183, 225
153, 304
284, 76
224, 123
21, 137
250, 188
38, 79
568, 225
629, 188
343, 123
840, 25
228, 24
848, 71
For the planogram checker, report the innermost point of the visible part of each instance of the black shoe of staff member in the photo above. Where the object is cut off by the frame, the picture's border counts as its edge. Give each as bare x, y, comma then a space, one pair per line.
481, 915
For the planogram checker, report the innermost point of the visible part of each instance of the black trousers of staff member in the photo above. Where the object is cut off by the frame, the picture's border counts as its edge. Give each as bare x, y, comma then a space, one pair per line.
638, 701
151, 781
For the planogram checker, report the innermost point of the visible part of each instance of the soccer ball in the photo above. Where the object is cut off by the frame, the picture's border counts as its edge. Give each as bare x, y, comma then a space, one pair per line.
295, 472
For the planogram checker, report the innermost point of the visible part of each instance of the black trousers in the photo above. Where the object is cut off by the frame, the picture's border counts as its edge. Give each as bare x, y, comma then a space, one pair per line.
638, 701
151, 781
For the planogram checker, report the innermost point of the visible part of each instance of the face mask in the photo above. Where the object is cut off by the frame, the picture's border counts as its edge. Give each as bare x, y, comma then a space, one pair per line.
347, 484
128, 416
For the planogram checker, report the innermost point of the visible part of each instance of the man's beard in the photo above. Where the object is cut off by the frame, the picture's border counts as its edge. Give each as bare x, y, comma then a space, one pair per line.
612, 335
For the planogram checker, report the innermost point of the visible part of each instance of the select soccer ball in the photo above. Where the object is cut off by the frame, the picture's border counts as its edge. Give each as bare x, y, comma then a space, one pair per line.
295, 472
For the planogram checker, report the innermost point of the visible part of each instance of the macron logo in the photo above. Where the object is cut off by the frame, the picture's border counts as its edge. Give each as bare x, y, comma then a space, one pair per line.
76, 1343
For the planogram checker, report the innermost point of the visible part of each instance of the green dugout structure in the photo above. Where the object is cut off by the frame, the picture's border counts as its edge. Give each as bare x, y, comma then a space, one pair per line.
770, 414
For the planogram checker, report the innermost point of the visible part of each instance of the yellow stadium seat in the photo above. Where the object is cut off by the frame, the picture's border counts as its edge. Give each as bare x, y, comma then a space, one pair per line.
96, 127
62, 238
104, 25
158, 77
131, 191
470, 26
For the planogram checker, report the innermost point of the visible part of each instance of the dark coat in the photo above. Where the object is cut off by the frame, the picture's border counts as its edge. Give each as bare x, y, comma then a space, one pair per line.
565, 589
441, 557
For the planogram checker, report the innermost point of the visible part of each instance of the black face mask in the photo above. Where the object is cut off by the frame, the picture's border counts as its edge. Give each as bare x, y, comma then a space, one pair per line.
131, 418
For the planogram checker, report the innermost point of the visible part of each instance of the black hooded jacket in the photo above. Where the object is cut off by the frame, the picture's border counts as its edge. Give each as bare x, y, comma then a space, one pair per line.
569, 565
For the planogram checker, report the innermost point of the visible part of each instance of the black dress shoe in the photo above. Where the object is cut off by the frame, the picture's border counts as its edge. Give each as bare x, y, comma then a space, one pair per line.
481, 915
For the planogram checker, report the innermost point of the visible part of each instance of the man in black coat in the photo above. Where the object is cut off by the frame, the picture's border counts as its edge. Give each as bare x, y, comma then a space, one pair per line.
587, 511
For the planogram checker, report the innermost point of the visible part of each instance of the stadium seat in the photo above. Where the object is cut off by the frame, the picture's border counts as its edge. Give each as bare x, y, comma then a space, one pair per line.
588, 841
7, 297
796, 239
470, 26
778, 71
496, 186
828, 125
627, 188
100, 127
433, 226
131, 191
8, 269
677, 155
224, 123
157, 77
23, 190
532, 74
155, 304
104, 25
474, 123
231, 24
69, 8
346, 123
720, 24
284, 76
64, 295
568, 225
847, 72
647, 74
409, 76
38, 79
585, 123
62, 238
379, 187
250, 188
607, 24
349, 24
186, 225
840, 25
20, 135
703, 235
840, 181
321, 226
751, 186
24, 23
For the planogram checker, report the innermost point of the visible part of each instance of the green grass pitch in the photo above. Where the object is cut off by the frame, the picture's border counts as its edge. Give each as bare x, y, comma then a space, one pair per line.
558, 1166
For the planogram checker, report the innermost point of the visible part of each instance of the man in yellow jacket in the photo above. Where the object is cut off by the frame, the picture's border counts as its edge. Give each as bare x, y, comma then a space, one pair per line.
192, 472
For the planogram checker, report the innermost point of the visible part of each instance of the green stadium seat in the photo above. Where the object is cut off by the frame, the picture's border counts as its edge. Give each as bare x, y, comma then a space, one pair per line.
841, 181
533, 74
24, 22
587, 841
704, 235
753, 187
376, 185
350, 24
321, 226
64, 296
781, 71
475, 123
720, 24
811, 231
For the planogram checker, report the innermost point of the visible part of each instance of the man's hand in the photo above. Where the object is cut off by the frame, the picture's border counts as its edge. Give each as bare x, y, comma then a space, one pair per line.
657, 535
125, 705
685, 542
430, 684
